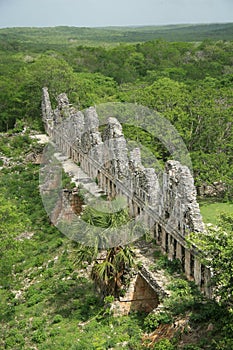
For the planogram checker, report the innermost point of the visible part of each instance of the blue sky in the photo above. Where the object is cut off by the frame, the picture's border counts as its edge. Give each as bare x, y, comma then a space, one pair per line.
91, 13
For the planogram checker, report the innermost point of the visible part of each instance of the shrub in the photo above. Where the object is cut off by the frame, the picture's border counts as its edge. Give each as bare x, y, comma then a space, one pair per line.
209, 310
172, 266
57, 318
15, 340
153, 320
180, 287
39, 336
164, 344
37, 323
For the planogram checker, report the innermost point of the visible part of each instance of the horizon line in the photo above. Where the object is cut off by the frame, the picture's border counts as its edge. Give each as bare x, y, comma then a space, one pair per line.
116, 26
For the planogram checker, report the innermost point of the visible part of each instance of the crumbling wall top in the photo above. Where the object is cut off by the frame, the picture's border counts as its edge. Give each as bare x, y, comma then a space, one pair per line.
113, 129
176, 194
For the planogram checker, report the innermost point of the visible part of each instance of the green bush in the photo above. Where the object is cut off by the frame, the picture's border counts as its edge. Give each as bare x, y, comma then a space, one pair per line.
172, 266
57, 318
164, 344
61, 287
224, 344
33, 296
37, 323
204, 312
153, 320
39, 336
191, 347
34, 299
15, 342
180, 287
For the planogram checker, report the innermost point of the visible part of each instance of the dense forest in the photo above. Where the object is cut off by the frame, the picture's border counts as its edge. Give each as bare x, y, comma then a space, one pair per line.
185, 73
189, 83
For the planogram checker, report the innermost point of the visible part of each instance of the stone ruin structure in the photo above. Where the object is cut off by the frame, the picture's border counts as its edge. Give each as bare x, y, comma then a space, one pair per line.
170, 208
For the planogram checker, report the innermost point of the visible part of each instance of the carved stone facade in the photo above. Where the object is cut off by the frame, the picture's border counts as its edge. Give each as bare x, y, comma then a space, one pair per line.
169, 208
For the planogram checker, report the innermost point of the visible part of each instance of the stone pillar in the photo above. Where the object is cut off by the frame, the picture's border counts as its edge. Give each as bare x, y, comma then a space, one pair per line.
131, 208
99, 176
109, 187
105, 183
179, 251
148, 219
163, 239
171, 248
113, 190
187, 264
207, 287
135, 209
197, 271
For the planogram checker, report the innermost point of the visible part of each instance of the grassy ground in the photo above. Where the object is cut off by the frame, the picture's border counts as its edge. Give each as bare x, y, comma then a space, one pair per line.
210, 210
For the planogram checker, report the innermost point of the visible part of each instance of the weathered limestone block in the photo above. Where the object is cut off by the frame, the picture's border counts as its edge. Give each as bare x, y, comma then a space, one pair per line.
116, 154
152, 186
71, 125
144, 181
77, 125
135, 161
62, 110
91, 137
91, 120
121, 156
63, 101
113, 129
47, 112
179, 198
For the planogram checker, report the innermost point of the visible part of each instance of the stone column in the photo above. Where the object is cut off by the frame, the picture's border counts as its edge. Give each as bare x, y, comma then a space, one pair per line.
113, 190
171, 248
187, 264
179, 251
197, 271
104, 183
163, 239
99, 179
207, 287
108, 187
131, 208
148, 219
135, 209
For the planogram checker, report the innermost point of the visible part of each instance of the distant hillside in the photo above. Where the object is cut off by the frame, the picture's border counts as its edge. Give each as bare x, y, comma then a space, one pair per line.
73, 36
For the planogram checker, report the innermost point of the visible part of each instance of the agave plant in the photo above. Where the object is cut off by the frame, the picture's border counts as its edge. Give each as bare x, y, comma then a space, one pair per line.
108, 272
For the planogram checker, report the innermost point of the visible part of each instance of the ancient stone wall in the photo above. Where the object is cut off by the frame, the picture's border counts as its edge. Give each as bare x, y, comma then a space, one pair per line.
170, 208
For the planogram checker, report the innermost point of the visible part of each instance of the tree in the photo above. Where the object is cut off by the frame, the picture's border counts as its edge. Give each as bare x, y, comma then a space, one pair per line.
216, 247
48, 71
109, 266
108, 274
